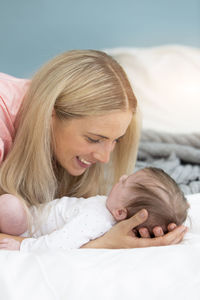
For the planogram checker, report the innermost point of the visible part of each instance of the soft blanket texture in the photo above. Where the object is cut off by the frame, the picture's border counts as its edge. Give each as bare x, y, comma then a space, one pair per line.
171, 272
177, 154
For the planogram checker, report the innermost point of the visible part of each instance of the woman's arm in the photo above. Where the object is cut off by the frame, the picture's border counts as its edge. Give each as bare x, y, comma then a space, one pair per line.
17, 238
122, 236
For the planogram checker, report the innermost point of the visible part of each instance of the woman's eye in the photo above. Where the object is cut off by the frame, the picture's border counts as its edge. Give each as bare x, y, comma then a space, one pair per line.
117, 140
92, 140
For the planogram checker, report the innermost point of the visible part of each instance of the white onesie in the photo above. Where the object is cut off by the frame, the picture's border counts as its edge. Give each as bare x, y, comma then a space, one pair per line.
69, 223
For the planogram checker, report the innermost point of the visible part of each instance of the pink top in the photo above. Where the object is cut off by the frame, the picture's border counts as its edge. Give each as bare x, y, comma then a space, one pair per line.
12, 91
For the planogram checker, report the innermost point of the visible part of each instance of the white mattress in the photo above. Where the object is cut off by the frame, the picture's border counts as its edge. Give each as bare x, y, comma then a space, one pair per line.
171, 272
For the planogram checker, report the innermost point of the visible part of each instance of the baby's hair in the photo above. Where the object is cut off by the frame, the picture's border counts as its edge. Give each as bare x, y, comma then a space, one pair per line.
161, 196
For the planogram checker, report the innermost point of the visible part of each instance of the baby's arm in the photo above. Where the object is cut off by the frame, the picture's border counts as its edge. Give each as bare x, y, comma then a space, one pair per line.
72, 235
79, 231
88, 221
56, 214
13, 219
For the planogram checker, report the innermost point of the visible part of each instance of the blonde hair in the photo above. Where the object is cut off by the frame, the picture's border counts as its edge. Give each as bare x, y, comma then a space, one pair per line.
76, 84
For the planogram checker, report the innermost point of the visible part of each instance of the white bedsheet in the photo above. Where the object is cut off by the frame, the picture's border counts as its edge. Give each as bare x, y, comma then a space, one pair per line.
171, 272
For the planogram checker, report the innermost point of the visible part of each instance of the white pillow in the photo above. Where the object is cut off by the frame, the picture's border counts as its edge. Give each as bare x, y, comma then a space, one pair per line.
166, 82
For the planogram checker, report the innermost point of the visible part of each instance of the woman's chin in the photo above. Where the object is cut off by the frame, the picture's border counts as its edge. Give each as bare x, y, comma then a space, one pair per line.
75, 171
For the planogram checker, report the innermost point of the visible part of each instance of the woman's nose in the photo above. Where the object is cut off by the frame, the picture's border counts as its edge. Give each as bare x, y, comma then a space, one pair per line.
103, 154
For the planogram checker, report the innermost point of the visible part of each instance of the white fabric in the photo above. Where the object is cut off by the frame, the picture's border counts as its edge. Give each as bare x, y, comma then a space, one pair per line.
166, 82
171, 272
69, 223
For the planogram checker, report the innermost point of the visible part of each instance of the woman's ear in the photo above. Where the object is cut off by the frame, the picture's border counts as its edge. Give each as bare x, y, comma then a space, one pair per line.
120, 214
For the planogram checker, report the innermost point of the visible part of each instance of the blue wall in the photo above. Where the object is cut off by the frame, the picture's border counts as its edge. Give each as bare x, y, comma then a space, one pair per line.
34, 31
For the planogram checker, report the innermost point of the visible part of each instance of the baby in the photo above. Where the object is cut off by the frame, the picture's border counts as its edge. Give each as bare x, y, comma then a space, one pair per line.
69, 223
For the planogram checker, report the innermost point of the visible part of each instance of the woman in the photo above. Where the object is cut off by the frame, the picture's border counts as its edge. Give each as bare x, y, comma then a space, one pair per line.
76, 133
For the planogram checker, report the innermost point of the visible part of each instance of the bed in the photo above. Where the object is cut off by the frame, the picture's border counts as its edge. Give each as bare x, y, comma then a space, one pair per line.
166, 81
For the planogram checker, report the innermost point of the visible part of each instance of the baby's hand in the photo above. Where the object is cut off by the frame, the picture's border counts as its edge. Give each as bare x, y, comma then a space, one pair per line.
9, 244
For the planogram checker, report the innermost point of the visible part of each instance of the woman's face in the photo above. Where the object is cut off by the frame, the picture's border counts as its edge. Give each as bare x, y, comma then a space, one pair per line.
80, 143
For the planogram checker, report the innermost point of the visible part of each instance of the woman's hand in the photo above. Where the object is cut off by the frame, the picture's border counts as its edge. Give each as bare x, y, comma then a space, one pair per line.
122, 236
10, 242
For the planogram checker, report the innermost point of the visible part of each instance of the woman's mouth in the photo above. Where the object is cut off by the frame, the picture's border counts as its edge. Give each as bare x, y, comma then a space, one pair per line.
83, 163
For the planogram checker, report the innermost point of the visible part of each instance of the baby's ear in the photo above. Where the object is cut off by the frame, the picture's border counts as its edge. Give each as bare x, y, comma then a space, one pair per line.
53, 113
120, 214
123, 177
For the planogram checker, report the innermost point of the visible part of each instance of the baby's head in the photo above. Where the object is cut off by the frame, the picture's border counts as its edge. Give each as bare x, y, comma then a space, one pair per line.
149, 188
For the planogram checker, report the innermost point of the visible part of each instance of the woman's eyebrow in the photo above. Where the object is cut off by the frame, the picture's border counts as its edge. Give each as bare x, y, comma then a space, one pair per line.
102, 136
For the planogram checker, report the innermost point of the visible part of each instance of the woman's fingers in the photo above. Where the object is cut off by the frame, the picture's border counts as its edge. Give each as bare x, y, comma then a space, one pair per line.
171, 226
157, 231
170, 238
137, 219
144, 232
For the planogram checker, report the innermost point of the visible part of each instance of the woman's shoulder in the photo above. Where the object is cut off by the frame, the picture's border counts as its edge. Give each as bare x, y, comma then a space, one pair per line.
12, 91
11, 78
12, 81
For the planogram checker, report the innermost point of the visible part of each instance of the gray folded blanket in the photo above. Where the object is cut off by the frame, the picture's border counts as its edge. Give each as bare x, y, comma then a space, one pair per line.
177, 154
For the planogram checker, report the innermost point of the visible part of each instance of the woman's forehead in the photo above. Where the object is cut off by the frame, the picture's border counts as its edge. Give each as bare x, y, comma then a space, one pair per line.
104, 125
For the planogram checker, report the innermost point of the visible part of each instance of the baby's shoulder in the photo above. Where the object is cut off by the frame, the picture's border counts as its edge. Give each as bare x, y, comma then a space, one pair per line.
98, 201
